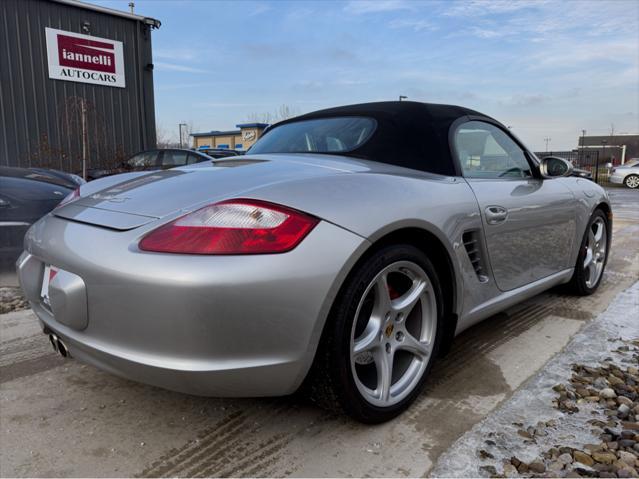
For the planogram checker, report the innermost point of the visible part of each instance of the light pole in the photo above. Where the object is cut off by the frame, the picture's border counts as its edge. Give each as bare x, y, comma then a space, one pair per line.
180, 128
402, 97
547, 140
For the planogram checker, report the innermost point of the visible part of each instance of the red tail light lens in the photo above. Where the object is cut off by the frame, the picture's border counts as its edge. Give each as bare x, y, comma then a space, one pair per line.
232, 227
74, 195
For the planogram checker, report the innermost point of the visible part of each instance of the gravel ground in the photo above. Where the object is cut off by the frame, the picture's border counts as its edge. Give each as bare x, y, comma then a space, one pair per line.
576, 418
11, 299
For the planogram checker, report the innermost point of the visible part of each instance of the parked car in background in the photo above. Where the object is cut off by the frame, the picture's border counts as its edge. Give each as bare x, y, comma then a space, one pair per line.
344, 251
220, 152
159, 159
626, 174
73, 180
581, 173
26, 195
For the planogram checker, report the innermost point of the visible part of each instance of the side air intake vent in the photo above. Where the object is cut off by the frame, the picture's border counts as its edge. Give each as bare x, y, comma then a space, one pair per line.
474, 250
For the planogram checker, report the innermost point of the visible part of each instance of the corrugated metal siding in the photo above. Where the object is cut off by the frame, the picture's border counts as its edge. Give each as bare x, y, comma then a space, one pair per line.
41, 117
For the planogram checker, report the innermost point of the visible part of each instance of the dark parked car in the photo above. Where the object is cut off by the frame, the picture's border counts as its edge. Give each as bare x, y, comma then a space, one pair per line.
581, 173
152, 160
220, 152
26, 195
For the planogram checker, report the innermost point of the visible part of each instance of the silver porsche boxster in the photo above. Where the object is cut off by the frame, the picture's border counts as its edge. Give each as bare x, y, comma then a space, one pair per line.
342, 255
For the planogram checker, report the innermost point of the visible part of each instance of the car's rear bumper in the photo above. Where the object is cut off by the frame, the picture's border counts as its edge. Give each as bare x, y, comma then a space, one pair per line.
206, 325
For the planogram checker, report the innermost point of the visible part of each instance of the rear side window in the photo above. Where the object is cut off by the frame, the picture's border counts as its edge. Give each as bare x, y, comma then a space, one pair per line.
143, 160
174, 158
323, 135
194, 158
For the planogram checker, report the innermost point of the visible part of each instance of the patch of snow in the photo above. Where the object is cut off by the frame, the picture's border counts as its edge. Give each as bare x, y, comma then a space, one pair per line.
533, 401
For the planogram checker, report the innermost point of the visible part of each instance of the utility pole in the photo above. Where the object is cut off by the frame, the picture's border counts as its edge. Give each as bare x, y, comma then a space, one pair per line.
85, 136
547, 140
402, 97
180, 125
132, 6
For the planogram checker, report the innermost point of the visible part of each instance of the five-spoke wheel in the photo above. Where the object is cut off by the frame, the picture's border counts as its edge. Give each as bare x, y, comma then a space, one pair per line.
592, 257
596, 247
392, 336
382, 337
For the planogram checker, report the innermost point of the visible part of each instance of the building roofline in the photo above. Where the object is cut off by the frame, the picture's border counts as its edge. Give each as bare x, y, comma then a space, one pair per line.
110, 11
216, 133
252, 125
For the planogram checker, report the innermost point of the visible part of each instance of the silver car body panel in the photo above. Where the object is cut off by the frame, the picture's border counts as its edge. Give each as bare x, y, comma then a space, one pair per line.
250, 325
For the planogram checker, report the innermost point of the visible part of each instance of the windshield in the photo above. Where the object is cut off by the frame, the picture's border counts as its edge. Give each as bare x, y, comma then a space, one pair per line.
324, 135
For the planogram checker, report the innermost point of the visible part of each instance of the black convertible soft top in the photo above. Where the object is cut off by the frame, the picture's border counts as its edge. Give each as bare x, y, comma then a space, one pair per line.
409, 134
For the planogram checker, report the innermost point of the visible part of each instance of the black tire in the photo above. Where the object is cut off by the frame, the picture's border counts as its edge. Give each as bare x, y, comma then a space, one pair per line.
330, 383
577, 284
626, 182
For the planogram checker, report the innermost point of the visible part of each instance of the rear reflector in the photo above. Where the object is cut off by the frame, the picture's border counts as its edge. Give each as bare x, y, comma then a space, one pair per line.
232, 227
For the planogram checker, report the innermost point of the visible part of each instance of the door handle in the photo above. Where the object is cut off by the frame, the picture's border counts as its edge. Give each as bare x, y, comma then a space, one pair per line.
496, 214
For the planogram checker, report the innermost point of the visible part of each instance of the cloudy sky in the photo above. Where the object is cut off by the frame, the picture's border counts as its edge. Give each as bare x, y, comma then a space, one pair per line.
545, 68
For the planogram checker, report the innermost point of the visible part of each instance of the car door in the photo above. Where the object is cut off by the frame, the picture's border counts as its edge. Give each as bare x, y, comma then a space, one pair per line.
529, 222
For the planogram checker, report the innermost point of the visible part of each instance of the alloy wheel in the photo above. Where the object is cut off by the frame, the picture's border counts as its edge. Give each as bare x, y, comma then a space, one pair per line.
393, 333
595, 252
632, 181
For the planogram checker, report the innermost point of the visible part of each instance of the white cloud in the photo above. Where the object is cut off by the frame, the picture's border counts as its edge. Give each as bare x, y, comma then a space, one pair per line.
178, 68
359, 7
258, 9
183, 54
473, 8
413, 24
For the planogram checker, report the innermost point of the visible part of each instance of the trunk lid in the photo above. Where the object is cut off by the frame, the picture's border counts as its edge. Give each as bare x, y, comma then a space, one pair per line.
139, 199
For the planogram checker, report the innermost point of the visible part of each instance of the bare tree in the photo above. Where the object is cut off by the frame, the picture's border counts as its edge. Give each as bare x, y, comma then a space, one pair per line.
167, 139
282, 113
164, 139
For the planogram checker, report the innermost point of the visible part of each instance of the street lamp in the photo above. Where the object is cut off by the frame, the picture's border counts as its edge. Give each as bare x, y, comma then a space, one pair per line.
402, 97
547, 140
180, 128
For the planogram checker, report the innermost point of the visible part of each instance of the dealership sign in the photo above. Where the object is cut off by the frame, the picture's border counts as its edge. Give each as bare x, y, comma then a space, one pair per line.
85, 59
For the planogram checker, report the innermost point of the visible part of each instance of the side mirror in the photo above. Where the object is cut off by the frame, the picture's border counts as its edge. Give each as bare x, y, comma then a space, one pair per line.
554, 167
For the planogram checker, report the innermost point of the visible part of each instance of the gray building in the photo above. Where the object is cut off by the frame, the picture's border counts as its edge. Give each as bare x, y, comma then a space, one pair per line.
76, 81
619, 148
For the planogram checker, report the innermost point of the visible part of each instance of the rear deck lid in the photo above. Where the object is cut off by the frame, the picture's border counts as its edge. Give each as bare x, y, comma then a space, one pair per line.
137, 200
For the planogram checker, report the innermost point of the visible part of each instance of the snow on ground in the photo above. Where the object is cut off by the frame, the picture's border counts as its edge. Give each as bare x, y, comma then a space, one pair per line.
533, 401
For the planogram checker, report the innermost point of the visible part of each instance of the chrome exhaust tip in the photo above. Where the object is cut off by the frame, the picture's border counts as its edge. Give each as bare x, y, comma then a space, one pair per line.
62, 349
53, 339
59, 346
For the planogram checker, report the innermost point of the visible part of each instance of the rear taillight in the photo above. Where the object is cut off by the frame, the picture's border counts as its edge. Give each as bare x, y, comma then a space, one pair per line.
74, 195
232, 227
